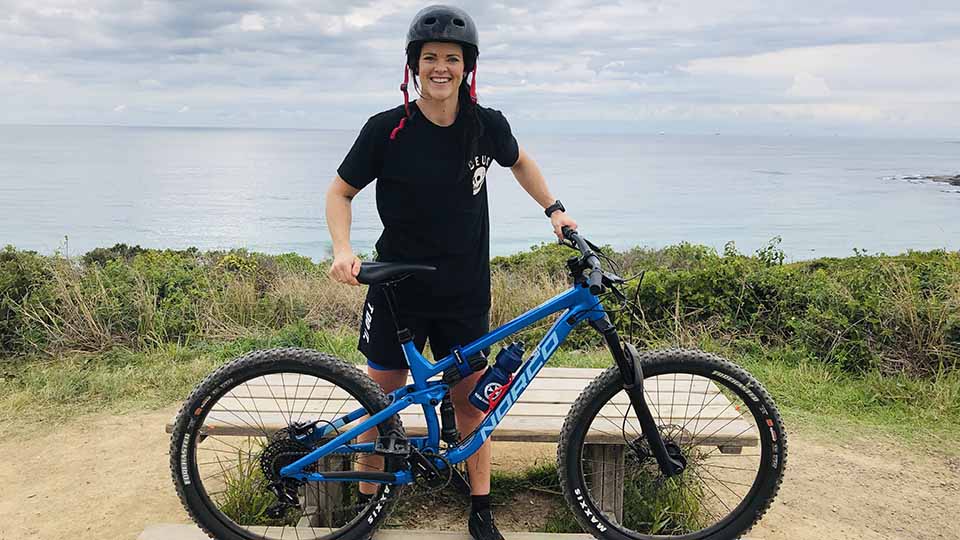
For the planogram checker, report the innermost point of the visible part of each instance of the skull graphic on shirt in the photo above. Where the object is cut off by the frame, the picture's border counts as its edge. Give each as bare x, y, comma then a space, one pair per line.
479, 175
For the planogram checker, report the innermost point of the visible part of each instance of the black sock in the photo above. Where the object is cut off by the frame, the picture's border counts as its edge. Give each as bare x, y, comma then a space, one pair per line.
480, 502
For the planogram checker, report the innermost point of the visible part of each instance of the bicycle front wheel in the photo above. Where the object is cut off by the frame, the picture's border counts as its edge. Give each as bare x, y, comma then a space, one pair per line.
233, 435
712, 415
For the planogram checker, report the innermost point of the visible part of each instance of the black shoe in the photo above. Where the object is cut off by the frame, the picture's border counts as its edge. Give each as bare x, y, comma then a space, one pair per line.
482, 527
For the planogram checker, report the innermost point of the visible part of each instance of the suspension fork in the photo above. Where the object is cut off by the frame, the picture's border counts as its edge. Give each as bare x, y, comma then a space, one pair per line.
631, 372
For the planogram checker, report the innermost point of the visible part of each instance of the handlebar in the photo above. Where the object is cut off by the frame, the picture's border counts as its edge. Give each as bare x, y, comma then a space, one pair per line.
595, 278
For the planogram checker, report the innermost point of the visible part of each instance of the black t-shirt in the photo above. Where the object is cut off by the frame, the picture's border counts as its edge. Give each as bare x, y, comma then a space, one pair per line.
432, 200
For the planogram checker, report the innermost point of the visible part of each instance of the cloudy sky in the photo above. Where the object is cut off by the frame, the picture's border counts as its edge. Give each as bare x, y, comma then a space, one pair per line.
869, 67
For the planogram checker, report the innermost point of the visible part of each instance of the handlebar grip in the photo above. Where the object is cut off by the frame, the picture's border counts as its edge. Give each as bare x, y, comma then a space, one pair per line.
595, 281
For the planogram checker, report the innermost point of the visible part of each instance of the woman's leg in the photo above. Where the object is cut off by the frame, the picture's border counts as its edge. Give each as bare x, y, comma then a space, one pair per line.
389, 380
468, 418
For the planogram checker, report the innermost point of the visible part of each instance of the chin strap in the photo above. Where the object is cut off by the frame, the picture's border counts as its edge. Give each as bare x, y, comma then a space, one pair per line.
406, 102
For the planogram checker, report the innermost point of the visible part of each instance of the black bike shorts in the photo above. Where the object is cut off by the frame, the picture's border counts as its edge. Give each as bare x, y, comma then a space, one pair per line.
378, 334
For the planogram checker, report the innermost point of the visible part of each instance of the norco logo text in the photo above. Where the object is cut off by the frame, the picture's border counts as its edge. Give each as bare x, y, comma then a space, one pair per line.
520, 382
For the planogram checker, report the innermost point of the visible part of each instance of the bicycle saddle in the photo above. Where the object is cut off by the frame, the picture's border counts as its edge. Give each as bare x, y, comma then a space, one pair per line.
375, 273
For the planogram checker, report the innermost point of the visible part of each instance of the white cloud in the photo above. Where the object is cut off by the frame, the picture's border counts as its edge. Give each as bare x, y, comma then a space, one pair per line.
252, 22
120, 108
696, 63
806, 85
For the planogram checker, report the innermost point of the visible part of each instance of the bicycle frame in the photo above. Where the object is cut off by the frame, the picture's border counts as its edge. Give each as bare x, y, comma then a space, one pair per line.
577, 304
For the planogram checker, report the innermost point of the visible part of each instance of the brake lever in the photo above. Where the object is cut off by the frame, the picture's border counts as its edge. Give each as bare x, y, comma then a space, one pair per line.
592, 246
613, 278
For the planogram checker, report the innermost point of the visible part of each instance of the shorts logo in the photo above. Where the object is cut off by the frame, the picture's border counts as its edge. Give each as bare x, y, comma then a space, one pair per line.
367, 319
478, 167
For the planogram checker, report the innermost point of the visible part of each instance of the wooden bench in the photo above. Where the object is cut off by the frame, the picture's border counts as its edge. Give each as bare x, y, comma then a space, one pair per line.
537, 416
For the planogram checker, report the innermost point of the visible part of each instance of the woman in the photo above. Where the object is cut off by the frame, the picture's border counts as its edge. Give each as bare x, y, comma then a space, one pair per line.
430, 158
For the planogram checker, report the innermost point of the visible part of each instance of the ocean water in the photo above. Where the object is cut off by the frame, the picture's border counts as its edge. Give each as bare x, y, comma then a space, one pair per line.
75, 188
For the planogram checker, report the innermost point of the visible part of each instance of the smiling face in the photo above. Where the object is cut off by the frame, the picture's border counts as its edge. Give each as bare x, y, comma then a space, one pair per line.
441, 69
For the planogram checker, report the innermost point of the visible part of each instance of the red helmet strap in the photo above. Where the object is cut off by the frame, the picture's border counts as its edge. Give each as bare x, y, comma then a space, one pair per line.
406, 102
473, 85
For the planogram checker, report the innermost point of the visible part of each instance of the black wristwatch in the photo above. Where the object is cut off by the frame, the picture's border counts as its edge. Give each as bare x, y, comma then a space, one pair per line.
554, 207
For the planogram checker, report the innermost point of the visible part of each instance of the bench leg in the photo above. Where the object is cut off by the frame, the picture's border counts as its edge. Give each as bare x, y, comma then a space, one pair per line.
606, 463
728, 449
319, 500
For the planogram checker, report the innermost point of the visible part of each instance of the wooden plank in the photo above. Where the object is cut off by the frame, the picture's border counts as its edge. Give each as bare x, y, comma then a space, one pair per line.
586, 374
606, 479
258, 388
565, 397
251, 411
723, 432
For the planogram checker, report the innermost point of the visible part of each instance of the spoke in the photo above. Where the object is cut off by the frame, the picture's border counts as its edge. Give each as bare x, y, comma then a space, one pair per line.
222, 421
732, 438
310, 397
614, 424
703, 405
263, 427
704, 483
726, 468
269, 389
724, 484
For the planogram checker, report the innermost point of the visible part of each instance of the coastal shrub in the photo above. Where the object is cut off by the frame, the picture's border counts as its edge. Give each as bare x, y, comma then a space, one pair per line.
100, 256
24, 279
179, 286
893, 314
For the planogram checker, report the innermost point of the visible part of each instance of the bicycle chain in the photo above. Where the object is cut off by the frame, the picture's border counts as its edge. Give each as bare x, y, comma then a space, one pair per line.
411, 493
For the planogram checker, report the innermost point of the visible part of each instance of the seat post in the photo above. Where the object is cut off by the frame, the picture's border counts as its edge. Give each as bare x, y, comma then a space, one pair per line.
403, 334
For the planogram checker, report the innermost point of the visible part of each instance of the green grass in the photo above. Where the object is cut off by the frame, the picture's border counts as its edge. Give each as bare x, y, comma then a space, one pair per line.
36, 392
823, 397
809, 393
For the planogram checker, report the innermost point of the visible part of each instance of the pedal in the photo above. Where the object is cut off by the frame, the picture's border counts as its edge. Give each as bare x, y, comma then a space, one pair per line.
392, 445
425, 470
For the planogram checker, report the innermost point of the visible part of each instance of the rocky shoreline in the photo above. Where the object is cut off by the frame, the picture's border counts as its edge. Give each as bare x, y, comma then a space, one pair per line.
953, 180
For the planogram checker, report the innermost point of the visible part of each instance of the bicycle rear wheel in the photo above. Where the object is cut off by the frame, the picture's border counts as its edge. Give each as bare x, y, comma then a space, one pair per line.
711, 414
233, 434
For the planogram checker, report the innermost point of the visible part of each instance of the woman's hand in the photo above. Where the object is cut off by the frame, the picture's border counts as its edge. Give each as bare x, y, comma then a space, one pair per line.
345, 268
559, 220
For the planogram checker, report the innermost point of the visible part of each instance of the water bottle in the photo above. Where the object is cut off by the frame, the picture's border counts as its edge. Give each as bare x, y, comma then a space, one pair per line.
498, 375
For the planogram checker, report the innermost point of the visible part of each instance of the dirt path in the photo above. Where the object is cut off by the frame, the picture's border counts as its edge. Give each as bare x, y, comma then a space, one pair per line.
106, 477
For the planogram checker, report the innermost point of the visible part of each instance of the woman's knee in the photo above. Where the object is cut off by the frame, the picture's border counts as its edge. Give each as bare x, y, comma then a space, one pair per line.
389, 380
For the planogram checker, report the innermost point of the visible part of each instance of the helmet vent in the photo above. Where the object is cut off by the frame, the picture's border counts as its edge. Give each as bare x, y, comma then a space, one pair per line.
459, 22
430, 21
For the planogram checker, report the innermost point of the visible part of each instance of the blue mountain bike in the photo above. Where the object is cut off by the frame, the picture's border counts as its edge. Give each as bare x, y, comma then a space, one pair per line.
269, 445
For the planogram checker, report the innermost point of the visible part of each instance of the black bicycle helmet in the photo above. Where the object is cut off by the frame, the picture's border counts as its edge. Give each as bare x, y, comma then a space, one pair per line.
445, 23
439, 23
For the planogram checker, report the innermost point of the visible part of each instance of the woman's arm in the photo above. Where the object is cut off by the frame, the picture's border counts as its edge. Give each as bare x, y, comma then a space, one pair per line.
345, 265
527, 173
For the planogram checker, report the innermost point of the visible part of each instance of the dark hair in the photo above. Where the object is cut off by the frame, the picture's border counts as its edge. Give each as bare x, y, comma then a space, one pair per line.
470, 54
